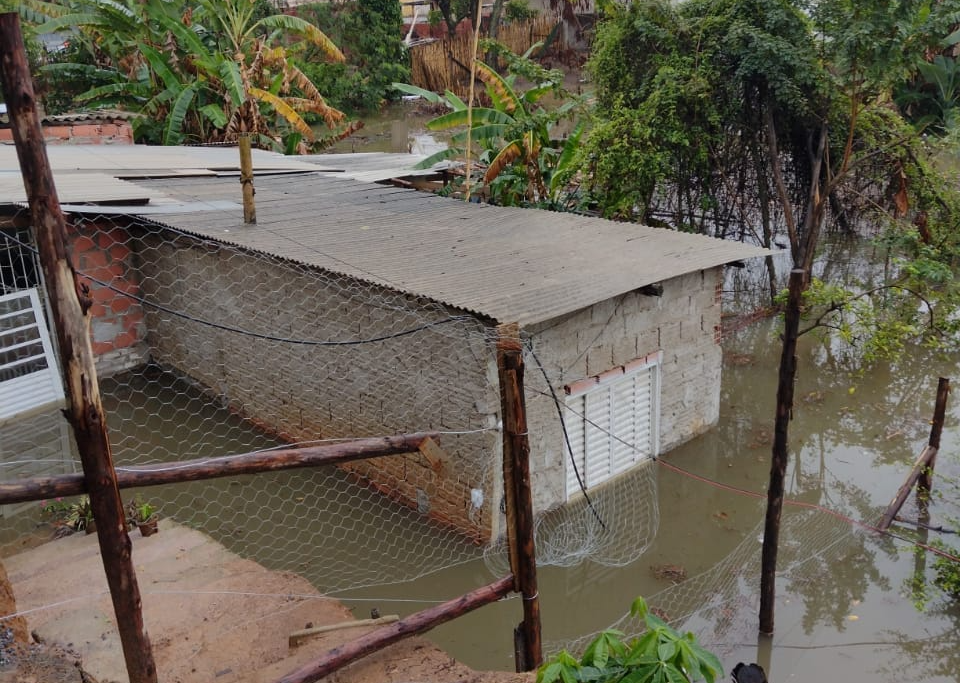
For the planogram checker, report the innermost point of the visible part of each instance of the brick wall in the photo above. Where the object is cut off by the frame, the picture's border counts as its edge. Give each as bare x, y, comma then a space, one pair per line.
680, 323
100, 252
82, 133
442, 378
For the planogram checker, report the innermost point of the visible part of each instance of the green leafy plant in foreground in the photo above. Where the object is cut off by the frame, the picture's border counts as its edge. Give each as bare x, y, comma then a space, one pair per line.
660, 655
76, 515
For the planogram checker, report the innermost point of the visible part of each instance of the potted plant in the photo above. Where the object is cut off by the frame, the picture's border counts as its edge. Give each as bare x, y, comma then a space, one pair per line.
143, 515
69, 517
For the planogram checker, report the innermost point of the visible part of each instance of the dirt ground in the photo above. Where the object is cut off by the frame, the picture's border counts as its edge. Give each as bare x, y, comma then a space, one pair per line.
211, 615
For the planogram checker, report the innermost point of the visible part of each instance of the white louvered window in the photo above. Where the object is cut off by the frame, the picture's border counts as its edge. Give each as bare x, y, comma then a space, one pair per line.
29, 377
611, 422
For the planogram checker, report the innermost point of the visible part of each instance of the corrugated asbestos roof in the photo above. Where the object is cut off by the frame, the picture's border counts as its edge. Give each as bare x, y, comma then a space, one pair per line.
135, 161
512, 265
371, 167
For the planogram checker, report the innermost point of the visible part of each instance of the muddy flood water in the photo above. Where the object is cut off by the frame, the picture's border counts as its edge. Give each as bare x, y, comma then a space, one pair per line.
845, 607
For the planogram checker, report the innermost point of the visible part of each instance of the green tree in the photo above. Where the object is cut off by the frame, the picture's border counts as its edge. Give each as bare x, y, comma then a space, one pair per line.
370, 33
778, 113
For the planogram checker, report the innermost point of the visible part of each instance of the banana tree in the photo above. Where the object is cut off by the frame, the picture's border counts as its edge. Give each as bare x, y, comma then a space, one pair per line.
206, 71
523, 160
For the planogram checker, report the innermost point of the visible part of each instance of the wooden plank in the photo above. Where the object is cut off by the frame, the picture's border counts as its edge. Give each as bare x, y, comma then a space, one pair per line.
38, 488
298, 637
421, 622
519, 493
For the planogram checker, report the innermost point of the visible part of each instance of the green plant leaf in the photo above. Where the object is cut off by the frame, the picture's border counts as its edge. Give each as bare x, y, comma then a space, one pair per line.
455, 102
667, 651
173, 131
214, 114
428, 95
549, 673
481, 115
160, 67
233, 82
638, 608
437, 157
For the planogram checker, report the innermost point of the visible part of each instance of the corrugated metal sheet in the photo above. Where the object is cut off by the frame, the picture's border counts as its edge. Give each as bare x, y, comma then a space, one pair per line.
513, 265
80, 187
371, 167
129, 161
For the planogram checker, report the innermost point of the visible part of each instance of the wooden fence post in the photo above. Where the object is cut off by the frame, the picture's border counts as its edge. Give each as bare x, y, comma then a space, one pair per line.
73, 336
246, 180
923, 467
519, 495
925, 480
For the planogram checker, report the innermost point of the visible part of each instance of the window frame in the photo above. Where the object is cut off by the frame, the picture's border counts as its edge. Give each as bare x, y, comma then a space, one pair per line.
596, 469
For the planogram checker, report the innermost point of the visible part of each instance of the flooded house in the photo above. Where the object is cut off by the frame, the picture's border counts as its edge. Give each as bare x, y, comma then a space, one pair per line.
354, 308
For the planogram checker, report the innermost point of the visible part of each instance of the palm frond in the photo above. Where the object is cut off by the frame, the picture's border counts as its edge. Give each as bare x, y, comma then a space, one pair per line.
285, 22
481, 115
500, 91
285, 110
504, 158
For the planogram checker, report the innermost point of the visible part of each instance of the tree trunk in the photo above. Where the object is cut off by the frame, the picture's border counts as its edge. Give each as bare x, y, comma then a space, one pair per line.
778, 463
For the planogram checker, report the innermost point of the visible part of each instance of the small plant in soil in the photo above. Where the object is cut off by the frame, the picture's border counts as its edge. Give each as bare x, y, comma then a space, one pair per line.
67, 517
142, 515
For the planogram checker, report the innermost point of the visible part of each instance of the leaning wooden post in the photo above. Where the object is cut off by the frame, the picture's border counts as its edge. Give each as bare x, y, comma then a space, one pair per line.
925, 481
73, 336
778, 460
924, 463
519, 496
246, 180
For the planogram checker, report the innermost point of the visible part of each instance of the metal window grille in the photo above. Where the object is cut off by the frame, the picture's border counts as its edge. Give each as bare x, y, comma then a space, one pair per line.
29, 376
612, 427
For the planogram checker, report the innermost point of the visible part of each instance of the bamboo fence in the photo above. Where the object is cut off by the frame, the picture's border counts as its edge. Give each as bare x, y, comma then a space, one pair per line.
445, 64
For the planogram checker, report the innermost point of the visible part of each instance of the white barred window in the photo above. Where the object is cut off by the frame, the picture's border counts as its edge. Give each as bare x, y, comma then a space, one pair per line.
612, 422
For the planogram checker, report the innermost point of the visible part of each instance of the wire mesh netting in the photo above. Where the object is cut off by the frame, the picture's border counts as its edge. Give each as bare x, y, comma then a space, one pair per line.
207, 350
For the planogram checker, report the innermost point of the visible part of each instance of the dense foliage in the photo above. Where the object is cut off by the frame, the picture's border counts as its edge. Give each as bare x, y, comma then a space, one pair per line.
207, 70
771, 119
370, 34
514, 140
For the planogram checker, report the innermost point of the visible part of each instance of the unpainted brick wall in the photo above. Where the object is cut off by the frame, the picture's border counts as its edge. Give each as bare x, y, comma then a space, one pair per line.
101, 255
680, 323
426, 381
82, 133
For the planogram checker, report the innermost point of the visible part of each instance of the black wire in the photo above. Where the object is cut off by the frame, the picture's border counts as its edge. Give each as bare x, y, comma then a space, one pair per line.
566, 437
249, 333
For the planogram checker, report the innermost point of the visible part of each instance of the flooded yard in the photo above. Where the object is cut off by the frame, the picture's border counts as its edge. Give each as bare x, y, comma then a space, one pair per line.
845, 608
684, 532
